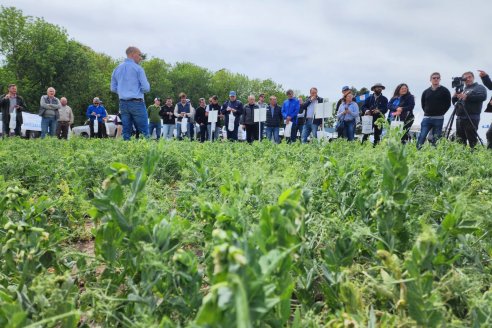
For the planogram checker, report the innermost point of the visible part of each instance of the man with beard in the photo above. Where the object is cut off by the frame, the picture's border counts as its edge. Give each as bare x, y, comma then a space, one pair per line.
376, 105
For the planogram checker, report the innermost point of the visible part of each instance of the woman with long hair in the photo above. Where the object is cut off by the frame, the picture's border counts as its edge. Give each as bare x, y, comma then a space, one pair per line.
401, 107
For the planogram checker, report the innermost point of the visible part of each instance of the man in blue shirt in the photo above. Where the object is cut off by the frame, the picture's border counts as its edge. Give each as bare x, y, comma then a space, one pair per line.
290, 110
130, 83
96, 112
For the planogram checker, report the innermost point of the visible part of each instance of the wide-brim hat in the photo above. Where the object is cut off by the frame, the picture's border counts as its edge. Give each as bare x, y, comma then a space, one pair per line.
377, 85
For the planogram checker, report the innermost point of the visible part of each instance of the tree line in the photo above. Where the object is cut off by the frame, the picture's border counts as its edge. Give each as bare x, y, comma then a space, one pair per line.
36, 54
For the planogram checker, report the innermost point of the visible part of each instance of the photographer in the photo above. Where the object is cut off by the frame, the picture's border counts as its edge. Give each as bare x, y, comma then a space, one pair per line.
468, 108
488, 83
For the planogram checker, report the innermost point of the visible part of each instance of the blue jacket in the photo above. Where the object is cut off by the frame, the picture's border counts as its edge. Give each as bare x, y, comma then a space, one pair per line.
99, 110
290, 107
352, 115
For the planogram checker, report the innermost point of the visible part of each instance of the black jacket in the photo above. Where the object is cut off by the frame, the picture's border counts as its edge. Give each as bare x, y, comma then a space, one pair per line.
200, 117
436, 102
275, 120
306, 104
164, 113
5, 104
487, 82
248, 117
476, 95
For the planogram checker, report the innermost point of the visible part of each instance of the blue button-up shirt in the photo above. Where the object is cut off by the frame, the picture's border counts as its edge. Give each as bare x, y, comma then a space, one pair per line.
129, 80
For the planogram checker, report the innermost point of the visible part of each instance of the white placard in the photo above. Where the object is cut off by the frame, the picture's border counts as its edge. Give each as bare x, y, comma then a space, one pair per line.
213, 116
323, 110
260, 115
31, 122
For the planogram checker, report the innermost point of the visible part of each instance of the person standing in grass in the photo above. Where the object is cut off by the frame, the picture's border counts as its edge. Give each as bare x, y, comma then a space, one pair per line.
201, 119
183, 109
154, 118
401, 107
290, 110
309, 108
376, 106
214, 105
64, 120
9, 103
167, 114
49, 106
248, 120
232, 110
274, 120
436, 101
130, 83
348, 112
96, 114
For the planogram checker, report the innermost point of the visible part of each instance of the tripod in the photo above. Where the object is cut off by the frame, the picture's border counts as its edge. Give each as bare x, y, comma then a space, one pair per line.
449, 125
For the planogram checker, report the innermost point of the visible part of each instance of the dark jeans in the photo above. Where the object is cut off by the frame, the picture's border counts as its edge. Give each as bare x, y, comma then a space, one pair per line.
232, 135
251, 132
203, 132
272, 134
466, 132
349, 130
134, 113
48, 126
428, 124
62, 130
101, 130
157, 128
6, 129
293, 133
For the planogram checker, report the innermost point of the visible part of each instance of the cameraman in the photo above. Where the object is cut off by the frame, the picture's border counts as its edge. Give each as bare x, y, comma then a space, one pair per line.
468, 109
488, 83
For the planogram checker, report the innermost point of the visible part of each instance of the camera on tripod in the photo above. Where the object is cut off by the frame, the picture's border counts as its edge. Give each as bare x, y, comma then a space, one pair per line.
458, 84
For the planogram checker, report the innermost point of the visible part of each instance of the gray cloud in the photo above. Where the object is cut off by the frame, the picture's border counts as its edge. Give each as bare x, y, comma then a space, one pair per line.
299, 44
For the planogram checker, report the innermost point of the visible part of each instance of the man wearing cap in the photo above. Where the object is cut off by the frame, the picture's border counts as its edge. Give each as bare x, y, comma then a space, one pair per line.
96, 113
155, 118
8, 103
376, 105
290, 110
436, 101
232, 110
130, 83
345, 89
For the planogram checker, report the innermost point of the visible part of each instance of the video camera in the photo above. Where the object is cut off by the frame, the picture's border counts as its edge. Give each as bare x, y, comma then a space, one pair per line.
458, 84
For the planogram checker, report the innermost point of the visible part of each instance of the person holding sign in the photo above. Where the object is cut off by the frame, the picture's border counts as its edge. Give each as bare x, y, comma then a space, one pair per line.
213, 127
95, 113
290, 110
375, 106
274, 119
248, 120
347, 113
12, 104
232, 110
309, 107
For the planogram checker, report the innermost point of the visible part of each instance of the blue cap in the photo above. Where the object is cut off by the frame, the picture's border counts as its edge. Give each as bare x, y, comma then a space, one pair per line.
345, 88
232, 93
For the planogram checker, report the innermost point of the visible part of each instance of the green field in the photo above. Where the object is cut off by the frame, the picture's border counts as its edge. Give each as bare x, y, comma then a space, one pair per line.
106, 233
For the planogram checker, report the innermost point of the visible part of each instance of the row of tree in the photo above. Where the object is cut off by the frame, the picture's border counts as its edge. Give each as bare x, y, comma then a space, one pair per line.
36, 54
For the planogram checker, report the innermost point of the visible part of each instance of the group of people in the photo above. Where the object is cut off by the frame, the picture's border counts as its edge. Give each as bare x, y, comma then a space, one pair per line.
296, 114
56, 115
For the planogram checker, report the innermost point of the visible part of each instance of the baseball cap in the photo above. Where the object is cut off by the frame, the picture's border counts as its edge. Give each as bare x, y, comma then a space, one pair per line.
232, 93
96, 99
345, 88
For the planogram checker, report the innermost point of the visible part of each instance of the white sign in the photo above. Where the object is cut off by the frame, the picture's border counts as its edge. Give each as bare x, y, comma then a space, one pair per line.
323, 110
213, 116
260, 115
31, 122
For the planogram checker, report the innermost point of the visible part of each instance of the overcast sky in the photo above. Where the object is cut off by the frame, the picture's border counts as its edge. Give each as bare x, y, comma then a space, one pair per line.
299, 44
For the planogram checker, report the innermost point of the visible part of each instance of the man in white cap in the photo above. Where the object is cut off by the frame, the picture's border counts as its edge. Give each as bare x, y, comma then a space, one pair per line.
376, 105
96, 113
